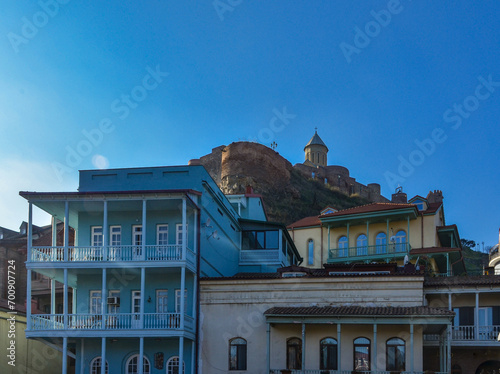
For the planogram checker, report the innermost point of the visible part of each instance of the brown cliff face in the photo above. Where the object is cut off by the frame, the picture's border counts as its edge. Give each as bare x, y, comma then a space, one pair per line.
288, 194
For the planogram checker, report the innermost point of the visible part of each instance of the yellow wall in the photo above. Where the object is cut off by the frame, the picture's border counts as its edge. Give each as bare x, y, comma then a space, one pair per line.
31, 356
301, 236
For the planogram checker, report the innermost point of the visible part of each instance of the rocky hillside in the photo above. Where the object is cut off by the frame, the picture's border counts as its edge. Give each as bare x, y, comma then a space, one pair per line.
288, 194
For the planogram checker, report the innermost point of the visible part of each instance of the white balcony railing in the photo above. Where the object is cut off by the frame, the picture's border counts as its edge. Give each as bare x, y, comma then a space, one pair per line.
468, 333
112, 253
118, 321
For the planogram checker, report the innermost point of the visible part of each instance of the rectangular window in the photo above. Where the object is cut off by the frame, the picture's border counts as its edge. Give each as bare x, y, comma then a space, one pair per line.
178, 235
114, 308
161, 301
162, 234
178, 300
95, 302
137, 235
115, 235
260, 240
310, 252
96, 238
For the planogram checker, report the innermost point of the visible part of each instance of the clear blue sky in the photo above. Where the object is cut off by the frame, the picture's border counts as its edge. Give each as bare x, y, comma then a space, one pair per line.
375, 77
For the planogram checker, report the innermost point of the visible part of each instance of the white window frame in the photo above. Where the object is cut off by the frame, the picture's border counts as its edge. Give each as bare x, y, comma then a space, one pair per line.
162, 294
95, 366
136, 233
95, 302
112, 242
145, 361
113, 309
161, 232
135, 295
178, 300
93, 235
310, 252
178, 233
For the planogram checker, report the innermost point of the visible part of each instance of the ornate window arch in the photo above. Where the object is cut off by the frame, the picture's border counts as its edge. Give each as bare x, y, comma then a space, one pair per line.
173, 365
395, 354
362, 359
328, 349
237, 354
294, 354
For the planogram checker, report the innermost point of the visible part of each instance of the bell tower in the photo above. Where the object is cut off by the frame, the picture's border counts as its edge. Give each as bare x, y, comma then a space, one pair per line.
316, 151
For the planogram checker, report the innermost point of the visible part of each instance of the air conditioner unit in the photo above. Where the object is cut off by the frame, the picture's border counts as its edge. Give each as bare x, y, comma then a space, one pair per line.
113, 301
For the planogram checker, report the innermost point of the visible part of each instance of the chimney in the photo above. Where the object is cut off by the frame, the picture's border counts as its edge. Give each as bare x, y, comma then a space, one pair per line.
435, 196
249, 190
399, 197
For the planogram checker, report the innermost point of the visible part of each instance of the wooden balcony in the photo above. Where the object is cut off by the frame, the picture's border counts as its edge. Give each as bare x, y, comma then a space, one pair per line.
112, 254
109, 323
391, 251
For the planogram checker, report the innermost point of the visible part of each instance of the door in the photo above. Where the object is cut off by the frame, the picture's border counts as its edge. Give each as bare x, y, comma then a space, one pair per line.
136, 309
136, 242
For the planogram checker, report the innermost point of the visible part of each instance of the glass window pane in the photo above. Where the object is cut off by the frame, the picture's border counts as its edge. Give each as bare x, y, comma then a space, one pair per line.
272, 239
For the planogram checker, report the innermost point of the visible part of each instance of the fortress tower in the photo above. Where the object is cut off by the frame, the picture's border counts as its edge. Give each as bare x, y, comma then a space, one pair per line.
316, 151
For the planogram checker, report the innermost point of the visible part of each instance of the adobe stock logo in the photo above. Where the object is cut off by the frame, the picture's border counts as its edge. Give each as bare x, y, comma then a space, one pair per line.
31, 26
427, 146
363, 37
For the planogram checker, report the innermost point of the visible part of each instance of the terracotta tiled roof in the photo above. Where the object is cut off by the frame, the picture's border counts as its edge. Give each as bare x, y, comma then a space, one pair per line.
358, 311
305, 222
480, 280
373, 207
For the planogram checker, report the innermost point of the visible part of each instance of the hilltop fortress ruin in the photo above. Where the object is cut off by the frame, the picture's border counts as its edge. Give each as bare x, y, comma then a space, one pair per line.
242, 164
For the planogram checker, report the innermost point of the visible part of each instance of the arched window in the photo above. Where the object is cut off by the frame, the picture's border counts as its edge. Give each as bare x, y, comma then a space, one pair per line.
342, 246
237, 354
173, 365
294, 354
132, 365
395, 354
95, 366
362, 354
361, 245
456, 369
401, 241
328, 354
310, 252
381, 242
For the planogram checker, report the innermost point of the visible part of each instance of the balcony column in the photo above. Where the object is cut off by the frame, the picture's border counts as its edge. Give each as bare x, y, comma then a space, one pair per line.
82, 355
329, 245
448, 348
476, 318
52, 296
348, 240
303, 346
105, 231
143, 295
268, 347
447, 264
140, 364
144, 230
387, 238
28, 300
193, 358
65, 299
367, 236
104, 293
408, 235
73, 300
66, 229
449, 302
195, 291
103, 356
339, 350
181, 353
374, 364
30, 230
411, 348
181, 292
184, 231
65, 356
